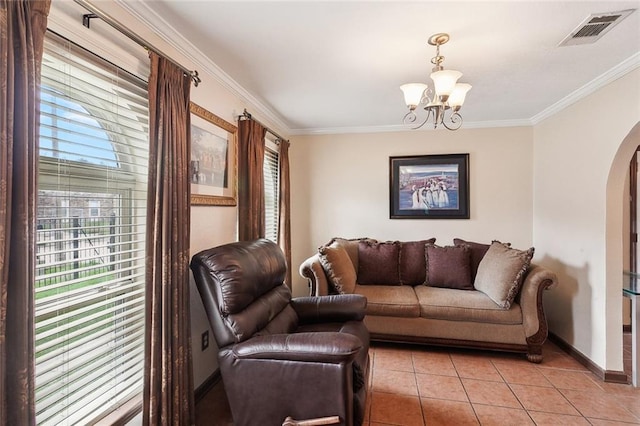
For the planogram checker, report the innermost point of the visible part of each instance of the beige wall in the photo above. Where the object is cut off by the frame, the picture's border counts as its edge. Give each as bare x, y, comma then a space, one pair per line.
340, 187
580, 164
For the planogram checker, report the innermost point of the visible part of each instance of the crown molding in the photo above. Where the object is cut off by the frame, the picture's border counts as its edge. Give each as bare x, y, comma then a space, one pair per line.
607, 77
405, 128
154, 22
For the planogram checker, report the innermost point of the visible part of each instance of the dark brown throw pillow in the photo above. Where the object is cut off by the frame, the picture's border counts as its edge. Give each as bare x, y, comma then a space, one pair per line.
412, 261
378, 263
478, 250
448, 267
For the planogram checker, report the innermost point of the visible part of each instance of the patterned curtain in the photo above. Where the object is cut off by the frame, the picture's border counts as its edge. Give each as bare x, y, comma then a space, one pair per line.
284, 225
168, 377
250, 180
22, 28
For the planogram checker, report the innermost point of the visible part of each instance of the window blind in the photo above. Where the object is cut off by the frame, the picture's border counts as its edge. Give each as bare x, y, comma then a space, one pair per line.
92, 184
271, 190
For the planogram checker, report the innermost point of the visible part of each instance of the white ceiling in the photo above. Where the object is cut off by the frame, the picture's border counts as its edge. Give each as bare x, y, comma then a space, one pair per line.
337, 66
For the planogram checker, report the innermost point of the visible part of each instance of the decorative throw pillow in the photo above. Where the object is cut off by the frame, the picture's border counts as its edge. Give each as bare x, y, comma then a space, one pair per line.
412, 261
350, 245
478, 250
378, 263
339, 268
448, 267
501, 272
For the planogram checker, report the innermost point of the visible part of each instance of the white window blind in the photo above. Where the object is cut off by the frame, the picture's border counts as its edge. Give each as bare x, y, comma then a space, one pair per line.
271, 190
92, 185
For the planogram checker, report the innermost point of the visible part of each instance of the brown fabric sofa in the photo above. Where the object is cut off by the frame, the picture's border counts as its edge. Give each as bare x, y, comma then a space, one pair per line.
429, 314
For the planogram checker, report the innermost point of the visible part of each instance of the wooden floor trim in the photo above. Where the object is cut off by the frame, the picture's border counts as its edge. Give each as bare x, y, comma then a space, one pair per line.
611, 376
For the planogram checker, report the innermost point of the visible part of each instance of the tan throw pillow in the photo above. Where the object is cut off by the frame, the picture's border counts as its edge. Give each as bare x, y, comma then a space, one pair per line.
350, 245
478, 250
339, 268
501, 271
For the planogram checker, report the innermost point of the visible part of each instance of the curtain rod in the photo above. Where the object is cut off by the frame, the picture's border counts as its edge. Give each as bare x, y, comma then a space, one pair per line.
97, 13
247, 116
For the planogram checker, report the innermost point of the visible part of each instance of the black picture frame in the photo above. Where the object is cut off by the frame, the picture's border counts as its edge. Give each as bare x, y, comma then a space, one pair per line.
429, 187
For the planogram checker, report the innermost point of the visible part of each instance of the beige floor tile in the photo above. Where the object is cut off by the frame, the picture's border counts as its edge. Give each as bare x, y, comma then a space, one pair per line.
548, 400
602, 422
561, 360
367, 409
631, 402
500, 416
475, 368
619, 389
441, 387
569, 379
599, 405
551, 419
433, 363
490, 393
390, 381
396, 409
393, 359
446, 413
522, 374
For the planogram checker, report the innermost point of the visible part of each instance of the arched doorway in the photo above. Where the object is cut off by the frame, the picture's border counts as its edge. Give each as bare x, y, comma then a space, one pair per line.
616, 200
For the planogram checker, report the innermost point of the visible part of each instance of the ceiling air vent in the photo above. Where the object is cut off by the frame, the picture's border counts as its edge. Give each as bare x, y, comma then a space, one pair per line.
594, 27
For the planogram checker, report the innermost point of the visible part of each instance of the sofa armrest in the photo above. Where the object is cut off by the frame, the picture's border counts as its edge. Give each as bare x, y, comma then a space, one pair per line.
327, 347
537, 280
336, 308
313, 271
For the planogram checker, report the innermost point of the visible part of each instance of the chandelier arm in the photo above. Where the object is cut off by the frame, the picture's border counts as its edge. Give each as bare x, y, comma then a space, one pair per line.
410, 117
426, 96
455, 120
424, 122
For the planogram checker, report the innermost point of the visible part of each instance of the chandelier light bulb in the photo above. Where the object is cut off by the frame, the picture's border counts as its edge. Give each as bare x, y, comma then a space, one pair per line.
444, 82
413, 93
456, 99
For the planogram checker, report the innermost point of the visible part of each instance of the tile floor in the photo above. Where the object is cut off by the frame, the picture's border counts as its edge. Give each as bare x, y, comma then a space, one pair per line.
420, 385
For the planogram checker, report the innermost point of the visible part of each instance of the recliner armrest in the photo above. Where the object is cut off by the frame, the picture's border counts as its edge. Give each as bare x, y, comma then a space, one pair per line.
325, 347
336, 308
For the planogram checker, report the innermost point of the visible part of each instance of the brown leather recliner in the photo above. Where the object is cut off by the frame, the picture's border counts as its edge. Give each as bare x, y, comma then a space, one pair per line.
306, 357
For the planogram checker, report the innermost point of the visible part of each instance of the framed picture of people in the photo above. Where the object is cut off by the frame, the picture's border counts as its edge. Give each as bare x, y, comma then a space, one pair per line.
429, 187
213, 165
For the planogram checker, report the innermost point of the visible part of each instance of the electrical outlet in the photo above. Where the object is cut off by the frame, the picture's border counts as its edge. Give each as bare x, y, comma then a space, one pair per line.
205, 340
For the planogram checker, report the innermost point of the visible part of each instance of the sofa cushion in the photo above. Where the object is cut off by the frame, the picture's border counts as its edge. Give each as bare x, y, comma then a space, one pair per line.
378, 263
448, 267
478, 250
457, 305
501, 272
412, 261
394, 301
350, 245
338, 267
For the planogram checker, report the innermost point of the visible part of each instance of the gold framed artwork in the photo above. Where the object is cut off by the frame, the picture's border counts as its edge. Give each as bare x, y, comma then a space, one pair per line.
213, 169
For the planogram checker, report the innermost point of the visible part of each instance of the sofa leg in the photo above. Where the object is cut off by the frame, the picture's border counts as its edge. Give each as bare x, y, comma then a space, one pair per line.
535, 354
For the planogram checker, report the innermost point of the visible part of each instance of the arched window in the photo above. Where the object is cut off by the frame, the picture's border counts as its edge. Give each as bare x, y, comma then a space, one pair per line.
89, 289
70, 132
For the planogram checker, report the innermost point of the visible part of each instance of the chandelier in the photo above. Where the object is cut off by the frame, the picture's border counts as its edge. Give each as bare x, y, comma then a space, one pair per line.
443, 102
